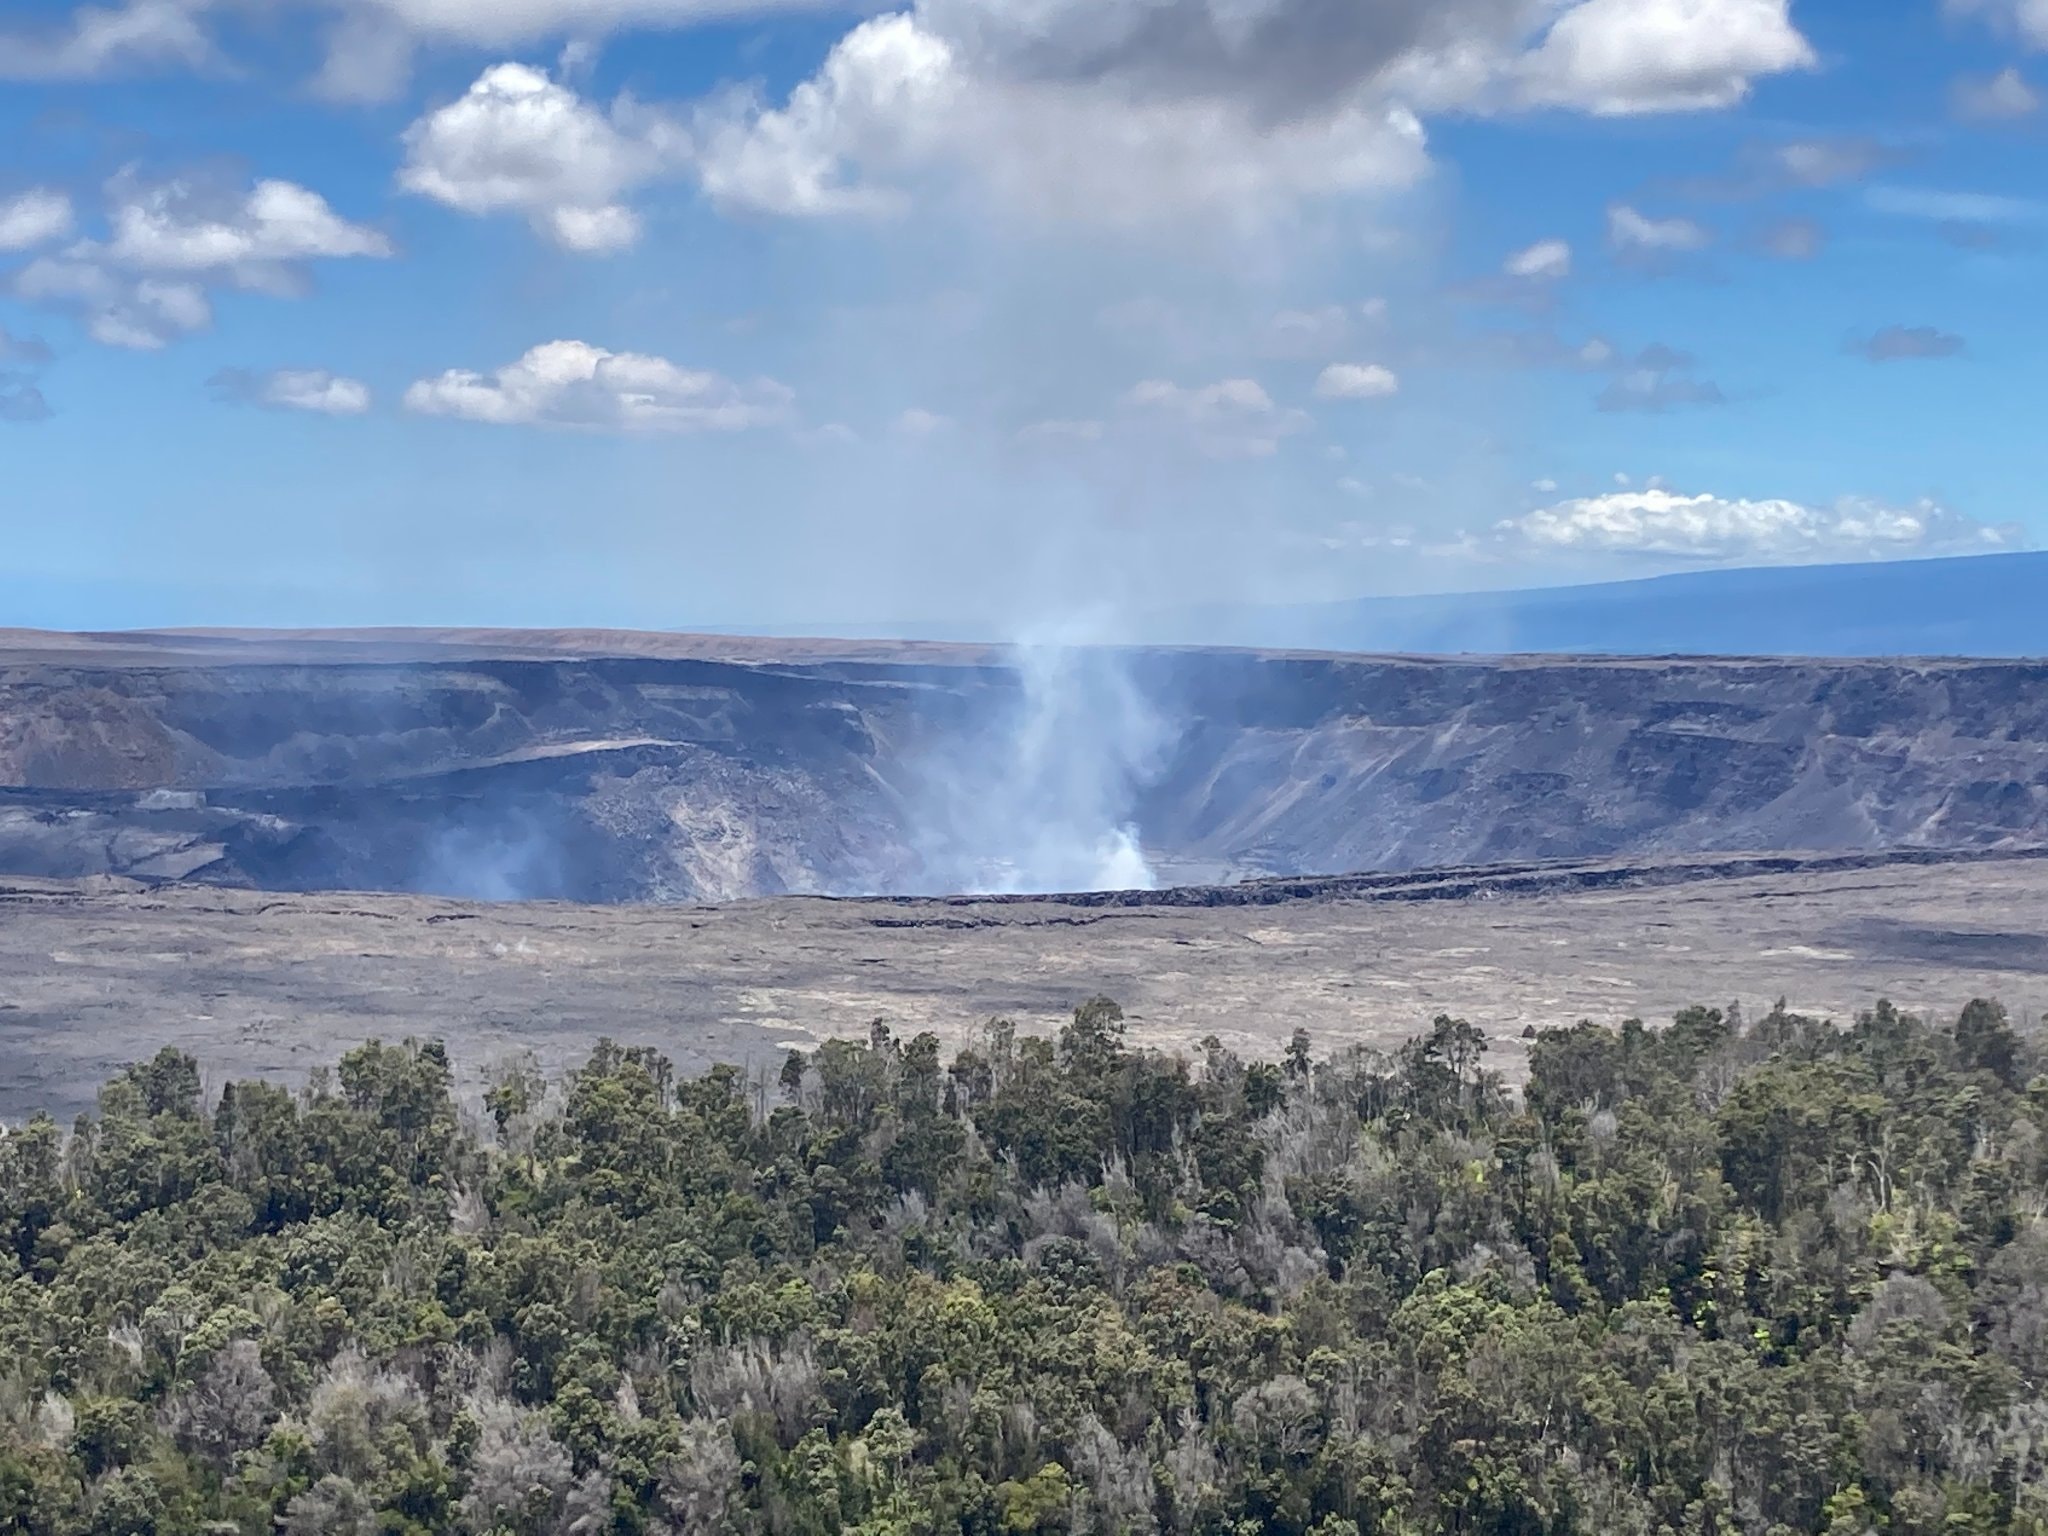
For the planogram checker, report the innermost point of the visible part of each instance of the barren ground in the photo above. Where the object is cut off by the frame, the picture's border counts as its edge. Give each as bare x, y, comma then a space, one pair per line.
95, 974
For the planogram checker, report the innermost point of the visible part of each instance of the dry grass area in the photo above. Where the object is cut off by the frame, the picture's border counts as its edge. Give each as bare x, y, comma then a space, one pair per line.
93, 975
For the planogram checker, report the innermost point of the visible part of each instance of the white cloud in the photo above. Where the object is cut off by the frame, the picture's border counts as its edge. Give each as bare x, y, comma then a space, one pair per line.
1357, 381
1185, 104
919, 422
1656, 521
2004, 97
1545, 261
33, 218
1620, 57
1824, 162
517, 141
1130, 111
574, 384
1114, 112
2026, 19
1631, 233
896, 103
316, 390
168, 242
104, 40
1231, 419
878, 107
117, 308
369, 57
295, 389
175, 226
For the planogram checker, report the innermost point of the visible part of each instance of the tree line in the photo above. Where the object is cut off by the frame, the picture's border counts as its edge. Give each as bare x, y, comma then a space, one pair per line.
1721, 1276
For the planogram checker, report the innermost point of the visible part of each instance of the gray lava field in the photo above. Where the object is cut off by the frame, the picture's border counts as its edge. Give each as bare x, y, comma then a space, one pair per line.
103, 972
266, 848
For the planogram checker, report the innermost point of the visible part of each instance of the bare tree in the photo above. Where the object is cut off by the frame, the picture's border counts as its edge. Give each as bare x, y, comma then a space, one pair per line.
520, 1477
227, 1409
694, 1487
334, 1506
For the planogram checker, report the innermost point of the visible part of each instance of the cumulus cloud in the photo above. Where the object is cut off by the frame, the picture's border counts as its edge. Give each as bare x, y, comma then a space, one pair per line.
1656, 380
169, 242
574, 384
1545, 261
96, 41
1636, 236
1662, 523
35, 217
180, 226
294, 389
2004, 97
1231, 419
897, 102
1621, 57
1357, 381
519, 142
1121, 111
1903, 343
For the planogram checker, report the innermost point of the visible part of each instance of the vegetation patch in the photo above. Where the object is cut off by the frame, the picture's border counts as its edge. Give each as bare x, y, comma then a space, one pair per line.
1758, 1277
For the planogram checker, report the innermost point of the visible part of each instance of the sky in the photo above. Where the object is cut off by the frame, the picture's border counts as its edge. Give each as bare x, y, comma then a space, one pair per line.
1000, 314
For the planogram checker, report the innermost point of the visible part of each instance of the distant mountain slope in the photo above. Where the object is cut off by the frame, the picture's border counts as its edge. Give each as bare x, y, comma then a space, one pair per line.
1983, 605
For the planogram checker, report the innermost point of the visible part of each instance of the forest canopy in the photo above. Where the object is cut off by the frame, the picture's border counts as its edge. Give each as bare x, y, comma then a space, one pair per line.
1720, 1276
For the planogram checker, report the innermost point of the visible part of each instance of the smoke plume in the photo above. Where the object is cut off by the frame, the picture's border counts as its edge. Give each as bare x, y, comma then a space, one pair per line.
1039, 793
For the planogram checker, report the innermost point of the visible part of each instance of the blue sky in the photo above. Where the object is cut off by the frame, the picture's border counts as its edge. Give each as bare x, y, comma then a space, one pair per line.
671, 314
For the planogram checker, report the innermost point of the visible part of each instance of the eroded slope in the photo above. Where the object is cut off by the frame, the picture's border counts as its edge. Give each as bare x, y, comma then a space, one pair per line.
499, 767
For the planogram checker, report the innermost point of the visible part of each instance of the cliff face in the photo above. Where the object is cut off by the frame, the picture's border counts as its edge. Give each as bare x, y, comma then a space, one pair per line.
1366, 764
496, 770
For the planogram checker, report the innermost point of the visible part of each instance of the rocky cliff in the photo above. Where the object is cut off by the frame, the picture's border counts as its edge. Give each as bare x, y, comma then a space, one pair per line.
649, 768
